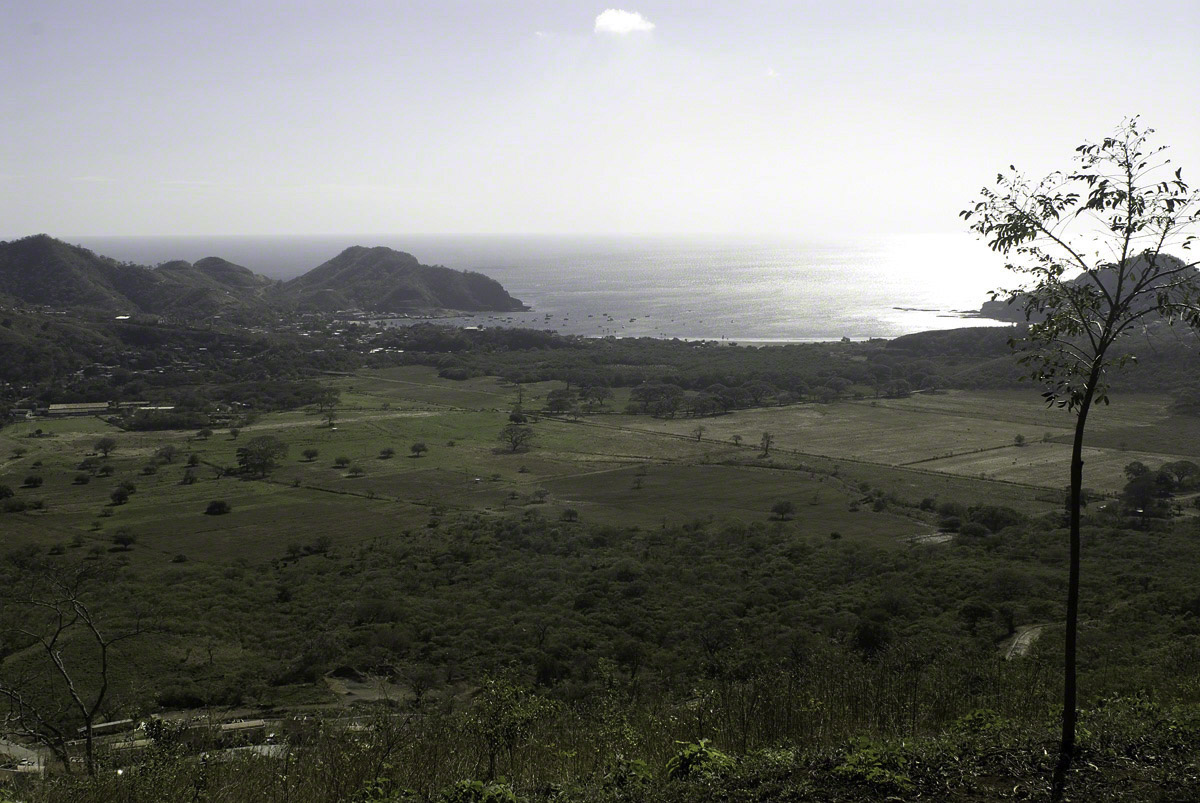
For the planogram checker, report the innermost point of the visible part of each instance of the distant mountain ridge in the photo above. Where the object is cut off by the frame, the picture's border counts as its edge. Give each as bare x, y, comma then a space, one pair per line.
45, 271
381, 279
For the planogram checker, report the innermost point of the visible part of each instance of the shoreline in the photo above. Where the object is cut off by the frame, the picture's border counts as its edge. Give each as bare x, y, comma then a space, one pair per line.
471, 321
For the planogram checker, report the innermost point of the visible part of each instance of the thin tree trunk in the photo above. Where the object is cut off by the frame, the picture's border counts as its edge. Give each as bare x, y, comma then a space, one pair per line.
90, 750
1070, 714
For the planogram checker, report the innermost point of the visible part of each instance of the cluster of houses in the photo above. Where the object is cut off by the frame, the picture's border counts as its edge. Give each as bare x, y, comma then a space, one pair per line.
29, 409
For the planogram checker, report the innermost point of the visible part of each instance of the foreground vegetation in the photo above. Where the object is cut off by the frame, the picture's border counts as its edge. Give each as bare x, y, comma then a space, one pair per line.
562, 620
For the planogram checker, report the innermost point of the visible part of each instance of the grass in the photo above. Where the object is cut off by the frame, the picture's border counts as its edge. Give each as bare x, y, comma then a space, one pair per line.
609, 468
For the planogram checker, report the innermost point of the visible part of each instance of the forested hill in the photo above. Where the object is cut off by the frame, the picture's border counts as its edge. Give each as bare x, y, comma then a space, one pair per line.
1013, 308
44, 271
382, 279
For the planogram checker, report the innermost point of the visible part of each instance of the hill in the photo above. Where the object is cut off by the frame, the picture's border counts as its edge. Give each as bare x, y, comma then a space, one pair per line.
1013, 309
44, 271
384, 280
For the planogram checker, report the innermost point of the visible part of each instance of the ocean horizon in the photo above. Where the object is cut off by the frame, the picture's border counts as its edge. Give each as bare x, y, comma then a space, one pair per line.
738, 289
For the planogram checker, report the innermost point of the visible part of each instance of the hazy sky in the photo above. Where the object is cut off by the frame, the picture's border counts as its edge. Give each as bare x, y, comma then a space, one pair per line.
797, 118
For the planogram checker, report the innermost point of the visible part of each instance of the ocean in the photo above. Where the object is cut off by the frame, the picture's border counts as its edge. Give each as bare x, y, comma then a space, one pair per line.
731, 289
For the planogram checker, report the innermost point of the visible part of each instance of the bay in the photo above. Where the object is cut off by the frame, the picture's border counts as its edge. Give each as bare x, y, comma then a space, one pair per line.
723, 288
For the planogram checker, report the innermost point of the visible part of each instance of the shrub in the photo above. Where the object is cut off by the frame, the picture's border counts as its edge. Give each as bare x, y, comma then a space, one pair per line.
878, 766
973, 530
119, 496
387, 453
217, 507
949, 524
310, 454
479, 792
697, 759
82, 479
33, 481
5, 492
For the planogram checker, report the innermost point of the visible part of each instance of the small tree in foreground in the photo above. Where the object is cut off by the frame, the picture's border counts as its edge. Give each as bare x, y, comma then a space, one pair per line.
1092, 246
418, 449
54, 691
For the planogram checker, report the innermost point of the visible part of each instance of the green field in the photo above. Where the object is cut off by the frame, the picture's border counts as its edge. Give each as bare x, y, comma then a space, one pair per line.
609, 469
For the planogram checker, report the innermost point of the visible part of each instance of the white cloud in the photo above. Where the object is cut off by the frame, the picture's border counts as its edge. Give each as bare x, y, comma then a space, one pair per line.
541, 34
770, 73
188, 183
617, 21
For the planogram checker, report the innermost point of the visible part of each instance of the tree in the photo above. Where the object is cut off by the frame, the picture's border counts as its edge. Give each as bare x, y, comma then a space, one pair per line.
119, 496
387, 453
204, 434
124, 539
698, 431
737, 440
106, 445
767, 441
517, 437
310, 454
1018, 440
33, 481
167, 453
1182, 471
784, 509
1136, 469
1092, 247
261, 455
341, 462
559, 400
56, 665
327, 398
596, 396
234, 432
418, 449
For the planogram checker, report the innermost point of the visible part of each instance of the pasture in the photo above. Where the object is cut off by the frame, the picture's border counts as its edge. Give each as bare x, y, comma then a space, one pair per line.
608, 469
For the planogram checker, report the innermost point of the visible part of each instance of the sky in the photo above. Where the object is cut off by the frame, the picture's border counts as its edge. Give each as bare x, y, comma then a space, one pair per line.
799, 119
